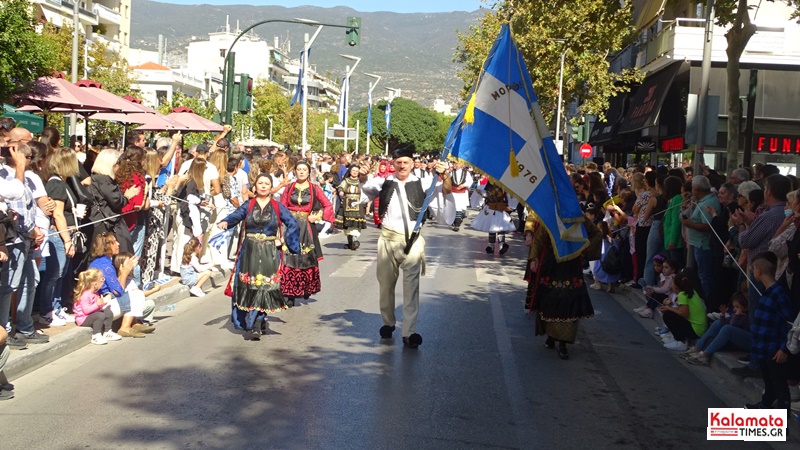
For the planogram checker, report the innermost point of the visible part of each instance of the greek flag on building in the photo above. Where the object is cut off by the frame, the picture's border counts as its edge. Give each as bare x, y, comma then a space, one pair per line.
502, 133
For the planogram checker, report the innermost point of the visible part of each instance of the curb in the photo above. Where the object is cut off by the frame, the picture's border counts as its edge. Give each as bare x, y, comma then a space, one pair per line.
23, 362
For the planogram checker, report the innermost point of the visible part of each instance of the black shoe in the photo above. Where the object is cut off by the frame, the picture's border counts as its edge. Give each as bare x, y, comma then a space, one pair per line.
744, 359
6, 395
746, 372
15, 343
354, 246
305, 297
455, 228
290, 302
349, 243
412, 341
504, 249
490, 249
562, 351
386, 332
37, 337
256, 334
550, 343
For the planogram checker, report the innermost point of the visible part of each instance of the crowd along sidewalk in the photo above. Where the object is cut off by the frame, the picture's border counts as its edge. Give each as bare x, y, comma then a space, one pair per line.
67, 339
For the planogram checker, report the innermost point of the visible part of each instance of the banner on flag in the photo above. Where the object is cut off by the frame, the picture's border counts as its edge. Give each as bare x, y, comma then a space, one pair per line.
343, 101
298, 92
501, 132
388, 117
369, 112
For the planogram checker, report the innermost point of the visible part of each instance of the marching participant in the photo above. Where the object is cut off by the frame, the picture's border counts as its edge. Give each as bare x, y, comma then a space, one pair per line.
461, 180
350, 216
494, 218
401, 199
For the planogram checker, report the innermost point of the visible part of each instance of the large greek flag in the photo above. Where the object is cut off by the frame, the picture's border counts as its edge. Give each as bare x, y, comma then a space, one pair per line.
298, 92
388, 117
502, 133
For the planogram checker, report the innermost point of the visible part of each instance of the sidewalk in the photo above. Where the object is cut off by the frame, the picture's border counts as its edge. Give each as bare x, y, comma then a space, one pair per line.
65, 340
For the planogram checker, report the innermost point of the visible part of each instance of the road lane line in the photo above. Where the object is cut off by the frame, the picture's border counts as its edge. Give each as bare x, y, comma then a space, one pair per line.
355, 268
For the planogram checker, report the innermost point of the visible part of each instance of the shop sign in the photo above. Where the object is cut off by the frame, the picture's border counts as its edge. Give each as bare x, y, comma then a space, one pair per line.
675, 144
777, 144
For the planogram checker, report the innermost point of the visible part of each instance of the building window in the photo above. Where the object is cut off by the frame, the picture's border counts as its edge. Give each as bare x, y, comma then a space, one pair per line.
161, 97
222, 52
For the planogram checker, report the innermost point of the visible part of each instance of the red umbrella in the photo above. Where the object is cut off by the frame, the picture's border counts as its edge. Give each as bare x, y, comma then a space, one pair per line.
55, 94
192, 121
150, 122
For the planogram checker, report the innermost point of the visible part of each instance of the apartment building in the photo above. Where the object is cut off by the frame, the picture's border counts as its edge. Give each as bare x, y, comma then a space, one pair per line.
107, 21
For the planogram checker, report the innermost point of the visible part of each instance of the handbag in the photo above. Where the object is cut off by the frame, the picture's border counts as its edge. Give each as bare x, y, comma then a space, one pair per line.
78, 236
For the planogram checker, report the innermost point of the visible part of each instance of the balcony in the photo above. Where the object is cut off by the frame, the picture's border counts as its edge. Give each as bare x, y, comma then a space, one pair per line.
65, 8
111, 46
682, 39
106, 14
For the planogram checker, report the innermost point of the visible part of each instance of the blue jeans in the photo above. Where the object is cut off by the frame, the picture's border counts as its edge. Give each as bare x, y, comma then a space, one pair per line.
27, 297
11, 273
730, 334
705, 271
138, 235
48, 294
655, 245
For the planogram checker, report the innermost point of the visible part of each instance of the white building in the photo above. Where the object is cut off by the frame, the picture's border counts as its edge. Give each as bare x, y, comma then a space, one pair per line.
441, 107
107, 21
157, 84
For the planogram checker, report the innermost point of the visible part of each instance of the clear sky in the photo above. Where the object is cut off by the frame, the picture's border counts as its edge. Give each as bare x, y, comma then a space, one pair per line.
401, 6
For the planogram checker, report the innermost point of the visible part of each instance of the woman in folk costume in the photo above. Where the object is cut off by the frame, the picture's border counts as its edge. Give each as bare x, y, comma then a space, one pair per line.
308, 204
494, 218
557, 293
350, 216
383, 172
256, 281
462, 180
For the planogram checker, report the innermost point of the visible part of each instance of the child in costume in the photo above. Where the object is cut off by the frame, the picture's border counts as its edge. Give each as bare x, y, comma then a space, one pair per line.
494, 218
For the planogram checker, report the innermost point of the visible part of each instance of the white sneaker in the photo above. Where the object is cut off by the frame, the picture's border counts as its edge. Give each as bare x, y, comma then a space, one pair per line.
713, 315
676, 345
596, 286
666, 338
196, 291
111, 336
794, 393
98, 339
62, 314
52, 320
587, 272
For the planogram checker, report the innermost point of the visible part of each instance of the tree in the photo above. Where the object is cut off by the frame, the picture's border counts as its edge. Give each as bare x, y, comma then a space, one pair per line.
24, 54
269, 100
412, 126
735, 14
591, 30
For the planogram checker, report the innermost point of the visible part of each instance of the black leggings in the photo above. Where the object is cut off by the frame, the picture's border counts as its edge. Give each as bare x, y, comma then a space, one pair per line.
99, 321
640, 244
680, 327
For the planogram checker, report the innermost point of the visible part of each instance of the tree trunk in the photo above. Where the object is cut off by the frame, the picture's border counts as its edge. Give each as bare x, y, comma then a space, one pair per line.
738, 36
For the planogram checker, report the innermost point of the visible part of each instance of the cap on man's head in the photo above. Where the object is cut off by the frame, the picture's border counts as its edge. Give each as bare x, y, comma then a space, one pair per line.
747, 187
201, 149
403, 153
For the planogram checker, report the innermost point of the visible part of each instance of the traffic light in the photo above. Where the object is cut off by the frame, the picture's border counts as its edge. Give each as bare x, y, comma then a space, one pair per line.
580, 132
353, 31
245, 91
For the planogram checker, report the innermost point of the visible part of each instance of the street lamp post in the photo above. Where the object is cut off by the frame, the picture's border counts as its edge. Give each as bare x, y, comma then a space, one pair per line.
346, 96
306, 49
269, 117
372, 86
560, 94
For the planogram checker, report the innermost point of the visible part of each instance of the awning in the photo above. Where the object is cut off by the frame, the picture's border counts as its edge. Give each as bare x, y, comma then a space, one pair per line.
646, 12
604, 131
30, 122
645, 105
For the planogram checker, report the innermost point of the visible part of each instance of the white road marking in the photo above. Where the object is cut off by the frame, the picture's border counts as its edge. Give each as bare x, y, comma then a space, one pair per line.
432, 266
488, 271
355, 267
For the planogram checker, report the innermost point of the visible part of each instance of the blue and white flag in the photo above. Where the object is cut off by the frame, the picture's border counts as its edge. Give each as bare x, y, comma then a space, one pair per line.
502, 133
388, 117
343, 101
298, 92
369, 112
220, 240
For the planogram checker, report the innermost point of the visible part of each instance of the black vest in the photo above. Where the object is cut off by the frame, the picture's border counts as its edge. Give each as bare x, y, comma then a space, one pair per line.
414, 194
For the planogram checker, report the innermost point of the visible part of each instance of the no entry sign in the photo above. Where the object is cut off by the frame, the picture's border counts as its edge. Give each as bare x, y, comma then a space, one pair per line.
586, 151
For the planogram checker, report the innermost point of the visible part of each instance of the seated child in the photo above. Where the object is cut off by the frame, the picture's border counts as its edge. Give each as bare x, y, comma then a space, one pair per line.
726, 330
193, 273
663, 293
142, 309
91, 310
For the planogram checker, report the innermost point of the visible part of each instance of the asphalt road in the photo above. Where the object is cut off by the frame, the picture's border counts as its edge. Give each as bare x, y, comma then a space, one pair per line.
322, 378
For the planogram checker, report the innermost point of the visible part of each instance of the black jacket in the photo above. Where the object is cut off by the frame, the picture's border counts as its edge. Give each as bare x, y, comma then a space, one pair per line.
106, 198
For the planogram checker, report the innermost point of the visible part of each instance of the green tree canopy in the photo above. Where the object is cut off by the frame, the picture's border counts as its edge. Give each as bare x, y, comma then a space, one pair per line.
25, 55
586, 31
412, 125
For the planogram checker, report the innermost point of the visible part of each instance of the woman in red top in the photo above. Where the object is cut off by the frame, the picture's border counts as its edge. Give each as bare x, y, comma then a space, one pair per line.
308, 204
131, 174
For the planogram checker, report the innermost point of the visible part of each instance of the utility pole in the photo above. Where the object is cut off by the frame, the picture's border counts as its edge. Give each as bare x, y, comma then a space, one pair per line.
76, 23
702, 97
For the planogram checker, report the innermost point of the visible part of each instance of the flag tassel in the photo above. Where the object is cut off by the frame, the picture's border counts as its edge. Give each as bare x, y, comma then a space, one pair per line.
513, 165
469, 114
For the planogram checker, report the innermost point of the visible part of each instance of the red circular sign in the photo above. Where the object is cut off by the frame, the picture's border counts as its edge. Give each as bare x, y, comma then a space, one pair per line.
586, 151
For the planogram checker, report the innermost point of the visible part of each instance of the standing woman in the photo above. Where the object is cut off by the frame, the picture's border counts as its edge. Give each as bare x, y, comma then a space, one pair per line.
63, 164
557, 292
642, 230
156, 216
131, 173
256, 286
108, 201
655, 209
308, 204
350, 216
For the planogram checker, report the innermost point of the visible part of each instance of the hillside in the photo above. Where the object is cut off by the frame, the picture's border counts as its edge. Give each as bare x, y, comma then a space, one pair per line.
413, 52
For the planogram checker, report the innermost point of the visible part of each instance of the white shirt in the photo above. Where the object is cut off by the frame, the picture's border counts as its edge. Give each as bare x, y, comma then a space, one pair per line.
36, 186
394, 212
211, 173
11, 189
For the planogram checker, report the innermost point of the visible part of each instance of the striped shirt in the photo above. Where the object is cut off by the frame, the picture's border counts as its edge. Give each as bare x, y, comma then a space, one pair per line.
755, 239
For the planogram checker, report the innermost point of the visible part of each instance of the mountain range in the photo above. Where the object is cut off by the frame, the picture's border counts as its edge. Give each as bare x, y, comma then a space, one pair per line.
412, 51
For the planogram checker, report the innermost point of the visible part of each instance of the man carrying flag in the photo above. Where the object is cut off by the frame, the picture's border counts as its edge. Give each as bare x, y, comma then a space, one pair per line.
401, 195
503, 114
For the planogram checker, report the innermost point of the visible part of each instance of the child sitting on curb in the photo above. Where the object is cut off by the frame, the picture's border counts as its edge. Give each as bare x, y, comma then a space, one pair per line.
663, 293
687, 320
726, 330
193, 273
92, 310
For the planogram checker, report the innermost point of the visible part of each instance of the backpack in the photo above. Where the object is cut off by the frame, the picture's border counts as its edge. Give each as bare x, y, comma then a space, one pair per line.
612, 261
